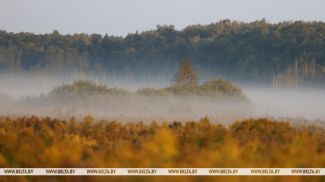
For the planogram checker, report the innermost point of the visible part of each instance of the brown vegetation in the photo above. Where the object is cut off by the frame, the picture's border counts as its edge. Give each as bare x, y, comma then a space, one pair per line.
46, 142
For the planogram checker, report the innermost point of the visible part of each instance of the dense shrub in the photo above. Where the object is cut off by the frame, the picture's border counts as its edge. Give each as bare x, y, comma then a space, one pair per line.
221, 86
213, 88
84, 88
151, 91
82, 91
47, 142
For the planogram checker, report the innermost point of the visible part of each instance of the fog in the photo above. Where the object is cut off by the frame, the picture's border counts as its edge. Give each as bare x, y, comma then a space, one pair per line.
263, 102
18, 85
304, 103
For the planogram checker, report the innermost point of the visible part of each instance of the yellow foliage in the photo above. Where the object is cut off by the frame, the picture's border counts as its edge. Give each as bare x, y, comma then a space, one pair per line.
2, 161
46, 142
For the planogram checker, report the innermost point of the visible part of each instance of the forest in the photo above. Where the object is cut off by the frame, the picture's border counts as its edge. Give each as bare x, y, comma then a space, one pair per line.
280, 53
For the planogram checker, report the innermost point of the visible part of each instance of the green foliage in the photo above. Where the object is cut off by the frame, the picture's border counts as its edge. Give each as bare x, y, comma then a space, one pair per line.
81, 88
244, 51
183, 89
222, 86
85, 93
84, 88
215, 88
88, 89
151, 91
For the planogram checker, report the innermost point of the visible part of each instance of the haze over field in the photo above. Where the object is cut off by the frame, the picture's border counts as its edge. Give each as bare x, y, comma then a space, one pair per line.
264, 102
274, 51
232, 86
282, 103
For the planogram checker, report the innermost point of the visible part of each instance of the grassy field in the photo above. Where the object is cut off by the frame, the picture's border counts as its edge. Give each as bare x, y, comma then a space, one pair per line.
47, 142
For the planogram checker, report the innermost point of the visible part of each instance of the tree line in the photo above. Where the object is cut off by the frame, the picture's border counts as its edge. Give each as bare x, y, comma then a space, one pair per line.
254, 51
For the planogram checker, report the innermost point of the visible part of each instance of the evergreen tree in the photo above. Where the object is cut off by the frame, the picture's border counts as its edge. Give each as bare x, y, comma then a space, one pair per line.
186, 75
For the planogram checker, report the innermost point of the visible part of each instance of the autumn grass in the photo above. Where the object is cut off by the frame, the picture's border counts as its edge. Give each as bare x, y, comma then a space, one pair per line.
47, 142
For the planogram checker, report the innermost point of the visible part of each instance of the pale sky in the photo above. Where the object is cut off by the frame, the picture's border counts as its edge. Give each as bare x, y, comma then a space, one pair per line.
119, 17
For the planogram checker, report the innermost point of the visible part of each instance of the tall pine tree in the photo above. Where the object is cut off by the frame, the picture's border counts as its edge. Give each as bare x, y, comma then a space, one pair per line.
186, 75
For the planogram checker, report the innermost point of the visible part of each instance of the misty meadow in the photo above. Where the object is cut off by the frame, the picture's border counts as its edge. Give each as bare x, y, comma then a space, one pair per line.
226, 94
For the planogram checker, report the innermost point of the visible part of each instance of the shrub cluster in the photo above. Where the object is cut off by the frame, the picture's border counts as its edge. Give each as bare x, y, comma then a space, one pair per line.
80, 88
83, 88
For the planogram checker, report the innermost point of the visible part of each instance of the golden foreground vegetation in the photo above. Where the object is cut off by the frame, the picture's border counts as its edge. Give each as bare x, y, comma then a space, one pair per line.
45, 142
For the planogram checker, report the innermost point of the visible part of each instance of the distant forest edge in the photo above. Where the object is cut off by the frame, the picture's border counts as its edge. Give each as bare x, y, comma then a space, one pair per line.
286, 53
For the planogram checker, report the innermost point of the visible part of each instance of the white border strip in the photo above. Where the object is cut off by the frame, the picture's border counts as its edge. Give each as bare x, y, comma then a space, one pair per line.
162, 171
